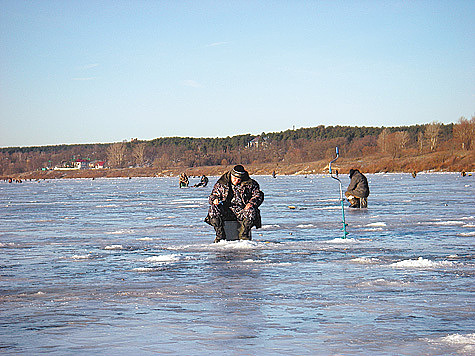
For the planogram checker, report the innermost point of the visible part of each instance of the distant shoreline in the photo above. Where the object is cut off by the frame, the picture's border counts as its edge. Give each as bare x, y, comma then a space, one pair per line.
433, 162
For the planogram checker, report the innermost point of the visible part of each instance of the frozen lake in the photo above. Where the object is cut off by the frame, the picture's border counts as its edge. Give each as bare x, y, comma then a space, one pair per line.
127, 266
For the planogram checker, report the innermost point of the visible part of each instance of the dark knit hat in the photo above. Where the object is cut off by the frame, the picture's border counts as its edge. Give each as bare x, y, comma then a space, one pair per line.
238, 171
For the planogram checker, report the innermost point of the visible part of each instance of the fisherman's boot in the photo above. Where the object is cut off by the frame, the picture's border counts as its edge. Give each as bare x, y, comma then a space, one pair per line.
363, 203
219, 228
245, 229
354, 201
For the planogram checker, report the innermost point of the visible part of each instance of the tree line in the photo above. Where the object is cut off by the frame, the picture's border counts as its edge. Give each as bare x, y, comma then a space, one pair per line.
290, 146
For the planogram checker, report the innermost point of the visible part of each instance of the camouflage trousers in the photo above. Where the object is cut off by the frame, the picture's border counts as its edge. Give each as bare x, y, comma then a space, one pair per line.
233, 213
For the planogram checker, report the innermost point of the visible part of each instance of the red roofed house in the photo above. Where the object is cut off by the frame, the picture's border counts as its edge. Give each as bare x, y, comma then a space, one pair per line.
81, 164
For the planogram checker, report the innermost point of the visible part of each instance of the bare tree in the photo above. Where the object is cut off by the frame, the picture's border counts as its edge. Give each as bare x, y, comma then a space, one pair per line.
420, 142
162, 161
464, 133
391, 145
138, 152
116, 154
403, 138
383, 140
431, 133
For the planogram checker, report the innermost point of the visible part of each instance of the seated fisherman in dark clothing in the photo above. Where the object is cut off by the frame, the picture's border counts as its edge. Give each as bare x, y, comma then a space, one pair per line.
358, 190
235, 196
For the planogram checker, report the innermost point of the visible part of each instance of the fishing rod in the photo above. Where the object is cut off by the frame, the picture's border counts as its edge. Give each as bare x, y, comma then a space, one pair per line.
341, 193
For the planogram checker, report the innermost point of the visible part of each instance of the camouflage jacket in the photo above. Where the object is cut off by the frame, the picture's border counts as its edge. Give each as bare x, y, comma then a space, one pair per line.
236, 197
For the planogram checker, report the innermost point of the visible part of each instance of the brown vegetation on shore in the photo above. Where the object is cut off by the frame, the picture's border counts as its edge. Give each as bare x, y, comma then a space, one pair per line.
436, 161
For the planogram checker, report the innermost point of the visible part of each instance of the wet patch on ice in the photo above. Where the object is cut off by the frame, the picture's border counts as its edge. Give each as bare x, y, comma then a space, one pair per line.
328, 208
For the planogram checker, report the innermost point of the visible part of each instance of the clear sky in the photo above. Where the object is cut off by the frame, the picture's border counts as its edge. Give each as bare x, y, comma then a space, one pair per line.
106, 71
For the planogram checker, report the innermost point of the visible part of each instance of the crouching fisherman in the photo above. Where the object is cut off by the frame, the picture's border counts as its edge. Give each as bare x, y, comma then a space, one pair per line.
358, 190
235, 197
184, 181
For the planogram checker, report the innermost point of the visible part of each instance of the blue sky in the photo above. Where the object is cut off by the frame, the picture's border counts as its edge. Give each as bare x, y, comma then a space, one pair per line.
107, 71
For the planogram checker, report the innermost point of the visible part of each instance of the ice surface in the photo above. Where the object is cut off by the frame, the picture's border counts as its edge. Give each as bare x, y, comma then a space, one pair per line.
119, 267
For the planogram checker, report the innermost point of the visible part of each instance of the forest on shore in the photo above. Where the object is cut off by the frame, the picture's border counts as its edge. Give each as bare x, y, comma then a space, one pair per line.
428, 147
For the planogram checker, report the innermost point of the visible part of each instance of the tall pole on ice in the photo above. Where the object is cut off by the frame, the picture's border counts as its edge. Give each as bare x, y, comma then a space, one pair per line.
341, 193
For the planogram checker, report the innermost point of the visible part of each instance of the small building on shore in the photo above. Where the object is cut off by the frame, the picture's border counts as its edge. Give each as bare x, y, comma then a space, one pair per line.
97, 164
81, 164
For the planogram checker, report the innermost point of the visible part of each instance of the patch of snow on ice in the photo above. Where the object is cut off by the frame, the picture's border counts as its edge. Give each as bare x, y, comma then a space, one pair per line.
237, 245
465, 342
144, 269
381, 282
265, 227
80, 257
448, 223
118, 232
365, 260
377, 224
114, 247
341, 241
164, 258
421, 263
9, 244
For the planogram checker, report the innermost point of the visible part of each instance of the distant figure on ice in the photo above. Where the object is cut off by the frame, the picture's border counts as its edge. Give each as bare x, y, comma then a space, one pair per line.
358, 190
184, 180
203, 182
235, 197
